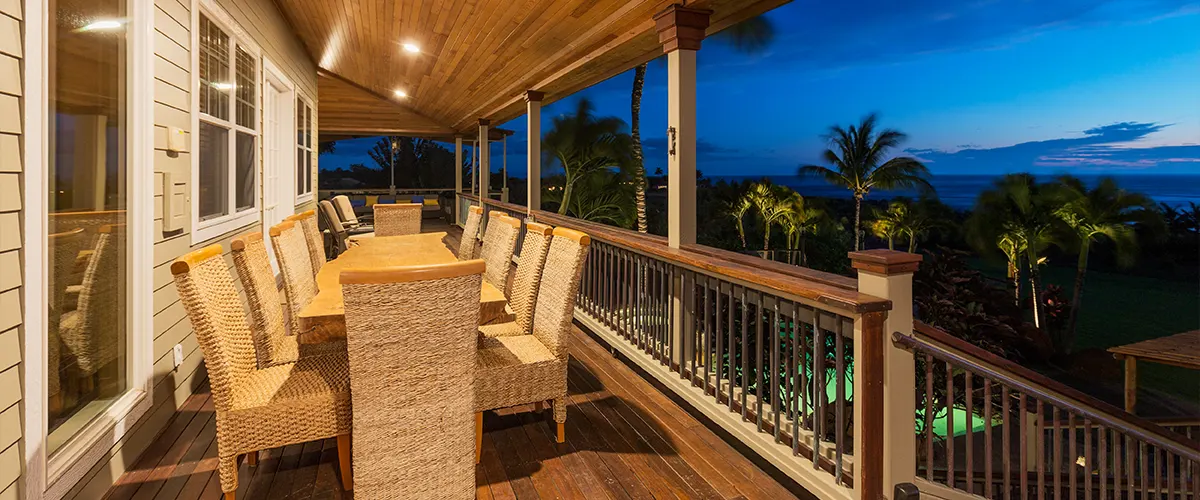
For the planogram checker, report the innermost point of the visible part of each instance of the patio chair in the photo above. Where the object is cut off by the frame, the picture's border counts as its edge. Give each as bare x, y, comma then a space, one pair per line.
525, 283
469, 243
339, 236
272, 344
299, 285
312, 236
94, 332
65, 248
522, 369
345, 211
397, 219
257, 409
411, 341
499, 242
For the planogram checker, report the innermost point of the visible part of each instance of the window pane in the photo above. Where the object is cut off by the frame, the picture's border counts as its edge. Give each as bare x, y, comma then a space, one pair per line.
215, 83
87, 273
213, 178
245, 89
301, 125
308, 172
300, 152
308, 127
246, 173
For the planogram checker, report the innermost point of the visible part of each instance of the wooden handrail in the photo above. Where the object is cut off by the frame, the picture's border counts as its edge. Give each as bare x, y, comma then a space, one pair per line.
823, 288
978, 360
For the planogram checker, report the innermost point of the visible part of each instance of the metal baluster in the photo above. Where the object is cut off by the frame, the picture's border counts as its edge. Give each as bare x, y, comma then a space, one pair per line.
970, 407
797, 378
987, 438
745, 356
1117, 461
609, 287
792, 334
775, 407
929, 411
732, 337
1023, 439
758, 363
719, 364
1130, 473
818, 377
1102, 480
1157, 471
1057, 453
839, 418
626, 303
1041, 450
1005, 446
1142, 467
1072, 456
1087, 459
689, 335
804, 380
949, 424
1170, 474
706, 338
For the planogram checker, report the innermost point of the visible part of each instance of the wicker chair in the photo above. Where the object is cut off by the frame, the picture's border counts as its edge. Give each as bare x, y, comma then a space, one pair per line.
312, 236
337, 231
469, 243
525, 283
257, 409
345, 211
397, 219
94, 333
272, 344
299, 285
499, 242
65, 248
411, 341
524, 369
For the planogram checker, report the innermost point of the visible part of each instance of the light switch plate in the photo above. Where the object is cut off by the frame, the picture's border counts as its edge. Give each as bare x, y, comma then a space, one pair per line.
176, 139
178, 354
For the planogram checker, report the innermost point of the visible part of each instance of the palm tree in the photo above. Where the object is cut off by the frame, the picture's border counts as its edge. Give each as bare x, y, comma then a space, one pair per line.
737, 210
602, 197
750, 36
1016, 217
1013, 247
889, 224
797, 221
858, 163
585, 144
770, 202
1105, 212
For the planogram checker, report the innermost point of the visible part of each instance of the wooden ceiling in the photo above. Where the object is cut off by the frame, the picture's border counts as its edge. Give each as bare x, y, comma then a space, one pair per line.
477, 57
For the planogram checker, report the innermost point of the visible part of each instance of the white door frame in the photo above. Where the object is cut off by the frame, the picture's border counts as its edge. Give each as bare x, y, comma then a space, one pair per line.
52, 477
279, 150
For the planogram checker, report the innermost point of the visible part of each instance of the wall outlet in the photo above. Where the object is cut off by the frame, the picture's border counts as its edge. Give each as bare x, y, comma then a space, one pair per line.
178, 354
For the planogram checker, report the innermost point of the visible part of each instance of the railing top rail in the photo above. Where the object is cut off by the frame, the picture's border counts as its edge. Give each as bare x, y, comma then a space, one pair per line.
830, 290
976, 359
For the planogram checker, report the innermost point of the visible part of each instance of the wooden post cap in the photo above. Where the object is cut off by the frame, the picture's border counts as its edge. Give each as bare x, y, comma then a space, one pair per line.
483, 122
534, 96
885, 262
681, 27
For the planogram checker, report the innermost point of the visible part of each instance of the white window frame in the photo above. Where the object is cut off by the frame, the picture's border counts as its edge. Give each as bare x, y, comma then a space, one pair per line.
52, 477
311, 149
234, 220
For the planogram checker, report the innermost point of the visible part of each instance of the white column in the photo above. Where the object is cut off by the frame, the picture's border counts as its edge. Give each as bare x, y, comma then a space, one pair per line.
533, 173
504, 169
681, 146
458, 164
485, 171
474, 165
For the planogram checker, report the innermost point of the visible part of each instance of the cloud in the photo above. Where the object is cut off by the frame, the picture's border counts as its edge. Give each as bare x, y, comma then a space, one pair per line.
1105, 148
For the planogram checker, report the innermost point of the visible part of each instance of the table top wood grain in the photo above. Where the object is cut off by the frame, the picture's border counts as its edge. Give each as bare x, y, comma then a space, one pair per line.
324, 318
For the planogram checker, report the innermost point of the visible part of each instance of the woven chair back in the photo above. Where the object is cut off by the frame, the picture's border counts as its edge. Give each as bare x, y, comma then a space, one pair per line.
411, 340
299, 285
529, 273
65, 248
272, 346
336, 230
397, 219
470, 235
211, 300
312, 236
98, 337
558, 288
345, 210
499, 242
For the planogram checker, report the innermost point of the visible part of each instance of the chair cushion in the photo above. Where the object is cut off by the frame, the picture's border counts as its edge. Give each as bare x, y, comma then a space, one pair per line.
372, 200
311, 376
506, 329
517, 370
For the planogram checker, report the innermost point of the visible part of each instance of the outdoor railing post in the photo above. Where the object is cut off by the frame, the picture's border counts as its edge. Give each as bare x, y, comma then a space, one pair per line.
886, 450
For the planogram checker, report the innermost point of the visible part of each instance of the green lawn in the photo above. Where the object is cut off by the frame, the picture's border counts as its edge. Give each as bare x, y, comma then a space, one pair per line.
1121, 309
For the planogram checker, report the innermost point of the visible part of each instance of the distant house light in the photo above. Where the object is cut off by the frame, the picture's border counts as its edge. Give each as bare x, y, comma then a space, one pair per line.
411, 48
103, 24
401, 93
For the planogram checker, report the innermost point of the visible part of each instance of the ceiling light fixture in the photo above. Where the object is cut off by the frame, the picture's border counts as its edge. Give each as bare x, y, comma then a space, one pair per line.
401, 93
411, 48
222, 86
102, 24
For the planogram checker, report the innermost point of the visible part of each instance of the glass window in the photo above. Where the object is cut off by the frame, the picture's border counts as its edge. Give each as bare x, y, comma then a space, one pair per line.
304, 148
87, 270
227, 160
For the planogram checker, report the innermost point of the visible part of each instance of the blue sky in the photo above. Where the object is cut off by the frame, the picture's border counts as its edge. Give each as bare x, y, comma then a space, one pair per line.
980, 87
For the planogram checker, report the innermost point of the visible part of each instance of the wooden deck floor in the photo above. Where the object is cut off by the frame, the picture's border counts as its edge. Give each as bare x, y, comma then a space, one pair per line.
625, 439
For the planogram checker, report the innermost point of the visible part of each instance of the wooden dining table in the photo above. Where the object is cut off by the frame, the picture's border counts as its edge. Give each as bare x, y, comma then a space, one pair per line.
324, 318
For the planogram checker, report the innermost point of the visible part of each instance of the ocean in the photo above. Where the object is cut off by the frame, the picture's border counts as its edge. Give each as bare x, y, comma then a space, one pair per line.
961, 191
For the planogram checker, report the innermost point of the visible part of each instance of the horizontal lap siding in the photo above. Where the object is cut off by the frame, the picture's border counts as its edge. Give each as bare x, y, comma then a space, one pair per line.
173, 83
11, 242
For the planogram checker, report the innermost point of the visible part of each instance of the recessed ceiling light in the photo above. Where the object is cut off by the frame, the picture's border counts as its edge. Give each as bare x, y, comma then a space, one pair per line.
401, 93
102, 24
411, 48
222, 86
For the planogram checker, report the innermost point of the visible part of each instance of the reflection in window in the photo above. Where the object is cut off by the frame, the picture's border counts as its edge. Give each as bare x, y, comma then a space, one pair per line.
226, 179
87, 269
304, 149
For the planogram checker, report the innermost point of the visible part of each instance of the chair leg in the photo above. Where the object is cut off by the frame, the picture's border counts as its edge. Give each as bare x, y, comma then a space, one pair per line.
562, 432
560, 417
252, 459
478, 436
343, 444
229, 496
538, 406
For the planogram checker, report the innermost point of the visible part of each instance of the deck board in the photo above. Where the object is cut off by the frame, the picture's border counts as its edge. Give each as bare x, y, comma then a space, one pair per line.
625, 440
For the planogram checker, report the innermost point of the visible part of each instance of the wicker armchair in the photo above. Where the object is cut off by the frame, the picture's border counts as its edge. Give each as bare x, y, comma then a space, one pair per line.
95, 332
345, 211
525, 283
299, 285
65, 248
257, 409
272, 344
499, 242
526, 369
339, 233
469, 242
411, 341
397, 219
312, 236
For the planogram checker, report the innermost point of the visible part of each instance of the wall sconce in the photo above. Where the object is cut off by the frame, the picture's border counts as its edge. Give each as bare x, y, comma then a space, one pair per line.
671, 135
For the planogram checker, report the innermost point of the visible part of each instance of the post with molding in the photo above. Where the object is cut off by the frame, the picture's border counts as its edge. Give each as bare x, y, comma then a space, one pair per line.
680, 30
533, 177
885, 417
458, 175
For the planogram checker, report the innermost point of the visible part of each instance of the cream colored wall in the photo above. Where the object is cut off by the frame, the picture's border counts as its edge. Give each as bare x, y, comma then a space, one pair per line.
11, 346
173, 80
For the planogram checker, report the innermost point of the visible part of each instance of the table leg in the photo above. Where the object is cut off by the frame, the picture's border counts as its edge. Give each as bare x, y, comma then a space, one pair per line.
1130, 384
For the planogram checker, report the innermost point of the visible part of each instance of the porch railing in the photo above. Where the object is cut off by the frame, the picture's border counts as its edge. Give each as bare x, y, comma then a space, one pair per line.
766, 354
1009, 432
